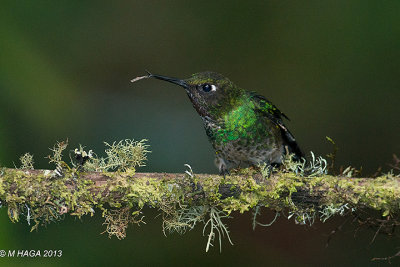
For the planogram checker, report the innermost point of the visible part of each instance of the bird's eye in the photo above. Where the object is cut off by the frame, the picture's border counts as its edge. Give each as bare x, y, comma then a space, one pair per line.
208, 87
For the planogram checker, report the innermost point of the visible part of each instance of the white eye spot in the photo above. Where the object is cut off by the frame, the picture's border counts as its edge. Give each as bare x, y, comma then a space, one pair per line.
208, 87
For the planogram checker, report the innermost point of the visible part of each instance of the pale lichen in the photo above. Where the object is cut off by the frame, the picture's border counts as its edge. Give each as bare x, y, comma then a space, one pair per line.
122, 155
183, 219
314, 167
117, 221
257, 212
331, 210
217, 229
26, 161
57, 154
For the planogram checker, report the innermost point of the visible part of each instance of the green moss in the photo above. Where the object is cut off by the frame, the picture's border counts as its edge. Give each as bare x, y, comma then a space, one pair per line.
250, 195
2, 191
49, 198
189, 199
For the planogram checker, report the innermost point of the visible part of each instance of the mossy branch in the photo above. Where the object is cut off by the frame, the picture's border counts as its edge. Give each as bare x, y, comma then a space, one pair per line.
306, 198
303, 191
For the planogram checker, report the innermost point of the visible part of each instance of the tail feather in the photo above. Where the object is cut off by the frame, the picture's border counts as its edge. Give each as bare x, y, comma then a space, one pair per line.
291, 144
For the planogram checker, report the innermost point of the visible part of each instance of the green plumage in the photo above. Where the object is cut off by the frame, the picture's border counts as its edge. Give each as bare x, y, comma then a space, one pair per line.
244, 128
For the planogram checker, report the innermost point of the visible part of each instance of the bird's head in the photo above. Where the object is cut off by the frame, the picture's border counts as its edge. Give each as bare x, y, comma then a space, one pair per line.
211, 93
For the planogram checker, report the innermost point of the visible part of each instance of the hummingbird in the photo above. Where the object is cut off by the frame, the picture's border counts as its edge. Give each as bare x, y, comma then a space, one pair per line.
244, 128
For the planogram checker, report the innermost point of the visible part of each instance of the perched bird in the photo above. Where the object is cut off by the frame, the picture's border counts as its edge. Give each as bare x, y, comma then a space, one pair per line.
244, 128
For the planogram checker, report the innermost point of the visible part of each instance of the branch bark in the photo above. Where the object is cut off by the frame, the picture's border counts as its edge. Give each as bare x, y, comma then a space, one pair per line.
45, 197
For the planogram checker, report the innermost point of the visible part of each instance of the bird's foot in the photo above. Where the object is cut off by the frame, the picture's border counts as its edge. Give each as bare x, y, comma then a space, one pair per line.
224, 171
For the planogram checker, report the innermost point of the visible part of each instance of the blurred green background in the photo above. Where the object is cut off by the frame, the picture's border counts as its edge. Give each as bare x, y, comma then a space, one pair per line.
331, 66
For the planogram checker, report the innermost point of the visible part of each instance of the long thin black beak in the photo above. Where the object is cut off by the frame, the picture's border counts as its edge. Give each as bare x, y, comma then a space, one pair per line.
169, 79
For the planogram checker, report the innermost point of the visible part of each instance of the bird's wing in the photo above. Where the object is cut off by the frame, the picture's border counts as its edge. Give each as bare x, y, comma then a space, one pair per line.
269, 110
265, 106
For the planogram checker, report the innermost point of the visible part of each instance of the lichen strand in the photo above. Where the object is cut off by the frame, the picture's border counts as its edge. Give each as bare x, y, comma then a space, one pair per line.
26, 161
122, 155
117, 221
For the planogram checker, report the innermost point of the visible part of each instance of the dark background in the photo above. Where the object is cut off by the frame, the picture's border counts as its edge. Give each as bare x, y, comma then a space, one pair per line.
331, 66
